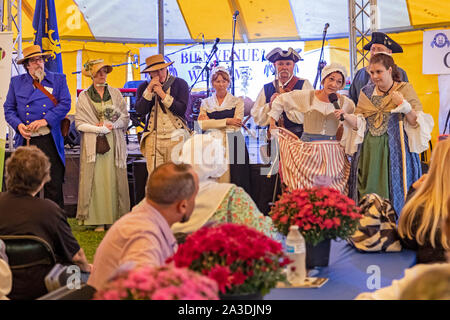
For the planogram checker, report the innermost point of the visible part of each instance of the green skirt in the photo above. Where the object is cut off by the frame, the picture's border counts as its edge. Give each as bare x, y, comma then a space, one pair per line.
373, 167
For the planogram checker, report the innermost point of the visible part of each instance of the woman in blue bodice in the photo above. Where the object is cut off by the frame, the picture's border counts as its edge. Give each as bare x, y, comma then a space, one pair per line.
222, 113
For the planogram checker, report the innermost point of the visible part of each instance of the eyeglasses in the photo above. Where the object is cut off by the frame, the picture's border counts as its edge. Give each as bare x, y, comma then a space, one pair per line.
35, 60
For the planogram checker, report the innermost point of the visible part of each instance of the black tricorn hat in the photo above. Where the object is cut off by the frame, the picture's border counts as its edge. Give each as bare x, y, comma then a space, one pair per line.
382, 38
279, 54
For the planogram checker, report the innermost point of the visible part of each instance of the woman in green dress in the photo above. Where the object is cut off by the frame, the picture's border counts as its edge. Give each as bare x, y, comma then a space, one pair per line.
102, 113
392, 130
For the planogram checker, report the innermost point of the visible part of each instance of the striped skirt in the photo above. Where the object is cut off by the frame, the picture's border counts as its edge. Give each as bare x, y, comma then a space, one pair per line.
301, 162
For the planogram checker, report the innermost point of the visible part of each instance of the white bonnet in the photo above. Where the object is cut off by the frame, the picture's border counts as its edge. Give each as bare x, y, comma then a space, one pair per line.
206, 154
334, 67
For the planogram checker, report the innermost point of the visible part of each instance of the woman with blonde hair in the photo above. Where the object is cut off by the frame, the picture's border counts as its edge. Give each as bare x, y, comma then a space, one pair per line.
421, 218
102, 119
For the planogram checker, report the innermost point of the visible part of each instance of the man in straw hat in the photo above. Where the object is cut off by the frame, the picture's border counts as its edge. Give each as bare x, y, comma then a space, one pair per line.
284, 62
380, 42
164, 98
36, 103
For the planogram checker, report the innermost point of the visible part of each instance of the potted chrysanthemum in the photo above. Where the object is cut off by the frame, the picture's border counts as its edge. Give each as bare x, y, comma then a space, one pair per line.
159, 283
244, 262
322, 214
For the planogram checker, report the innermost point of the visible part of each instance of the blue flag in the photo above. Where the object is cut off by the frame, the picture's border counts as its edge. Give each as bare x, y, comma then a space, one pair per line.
46, 33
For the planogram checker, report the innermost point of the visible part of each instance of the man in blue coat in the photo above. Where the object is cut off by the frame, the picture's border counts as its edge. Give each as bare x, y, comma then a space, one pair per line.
35, 116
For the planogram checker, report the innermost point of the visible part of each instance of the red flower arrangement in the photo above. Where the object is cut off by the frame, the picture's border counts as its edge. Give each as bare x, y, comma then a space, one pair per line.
242, 260
320, 213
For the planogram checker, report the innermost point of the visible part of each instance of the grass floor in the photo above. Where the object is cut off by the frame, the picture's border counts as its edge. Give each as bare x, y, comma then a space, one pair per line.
87, 238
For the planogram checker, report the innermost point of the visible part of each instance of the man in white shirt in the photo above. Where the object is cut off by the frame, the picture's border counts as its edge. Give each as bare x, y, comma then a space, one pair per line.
285, 81
266, 188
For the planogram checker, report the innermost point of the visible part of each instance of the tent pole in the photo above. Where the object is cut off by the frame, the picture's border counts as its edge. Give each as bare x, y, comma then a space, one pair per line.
161, 27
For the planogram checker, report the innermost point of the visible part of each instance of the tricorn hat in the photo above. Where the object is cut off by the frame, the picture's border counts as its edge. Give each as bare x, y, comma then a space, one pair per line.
91, 67
155, 62
279, 54
382, 38
32, 51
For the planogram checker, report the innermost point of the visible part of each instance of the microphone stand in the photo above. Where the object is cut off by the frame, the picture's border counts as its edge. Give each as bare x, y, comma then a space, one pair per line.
232, 54
322, 63
206, 67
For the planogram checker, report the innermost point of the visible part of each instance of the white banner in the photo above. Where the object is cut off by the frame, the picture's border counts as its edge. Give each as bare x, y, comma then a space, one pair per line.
6, 40
444, 99
251, 71
436, 52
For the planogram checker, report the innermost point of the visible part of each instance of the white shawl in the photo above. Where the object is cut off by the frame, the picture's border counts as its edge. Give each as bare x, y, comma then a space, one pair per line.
85, 114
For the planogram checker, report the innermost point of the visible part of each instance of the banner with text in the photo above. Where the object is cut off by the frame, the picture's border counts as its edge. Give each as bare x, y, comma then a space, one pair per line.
436, 52
252, 71
6, 40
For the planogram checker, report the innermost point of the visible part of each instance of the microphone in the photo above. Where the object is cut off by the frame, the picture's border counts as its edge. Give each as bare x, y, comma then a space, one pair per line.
214, 48
333, 99
236, 13
326, 27
203, 41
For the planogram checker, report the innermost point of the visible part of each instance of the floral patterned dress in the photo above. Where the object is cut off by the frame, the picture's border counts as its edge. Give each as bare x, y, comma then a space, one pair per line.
238, 207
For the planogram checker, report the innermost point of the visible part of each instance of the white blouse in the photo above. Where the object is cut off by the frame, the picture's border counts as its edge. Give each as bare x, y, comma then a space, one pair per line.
211, 104
297, 102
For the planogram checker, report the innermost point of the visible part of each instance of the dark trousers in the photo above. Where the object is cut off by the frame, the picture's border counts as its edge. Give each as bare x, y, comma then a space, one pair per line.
53, 189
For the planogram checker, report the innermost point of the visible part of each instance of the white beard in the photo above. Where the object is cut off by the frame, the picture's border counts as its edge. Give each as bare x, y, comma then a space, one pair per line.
39, 74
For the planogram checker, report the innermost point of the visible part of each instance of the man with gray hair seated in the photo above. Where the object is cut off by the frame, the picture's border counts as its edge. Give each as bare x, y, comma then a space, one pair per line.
143, 237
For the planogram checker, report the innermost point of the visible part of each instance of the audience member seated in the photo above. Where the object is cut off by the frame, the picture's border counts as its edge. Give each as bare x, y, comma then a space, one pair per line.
21, 213
143, 237
5, 273
419, 223
433, 284
217, 202
423, 281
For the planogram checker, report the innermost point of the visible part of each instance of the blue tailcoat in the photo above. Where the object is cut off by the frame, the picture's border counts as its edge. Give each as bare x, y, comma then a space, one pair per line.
25, 104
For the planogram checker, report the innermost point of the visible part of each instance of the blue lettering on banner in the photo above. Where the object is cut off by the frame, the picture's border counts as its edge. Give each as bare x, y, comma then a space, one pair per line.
226, 55
255, 56
236, 55
184, 57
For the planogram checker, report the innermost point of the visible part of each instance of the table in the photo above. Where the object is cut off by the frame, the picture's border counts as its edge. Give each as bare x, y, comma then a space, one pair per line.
348, 274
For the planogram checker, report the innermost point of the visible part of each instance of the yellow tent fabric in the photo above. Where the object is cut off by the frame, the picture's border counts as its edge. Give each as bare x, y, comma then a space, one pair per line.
428, 12
258, 20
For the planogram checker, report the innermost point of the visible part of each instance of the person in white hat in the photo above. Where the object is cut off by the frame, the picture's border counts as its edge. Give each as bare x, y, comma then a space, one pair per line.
164, 101
223, 112
102, 113
217, 202
317, 153
36, 103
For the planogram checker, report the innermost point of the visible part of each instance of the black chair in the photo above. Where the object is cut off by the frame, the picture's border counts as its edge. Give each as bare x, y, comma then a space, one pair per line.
86, 292
30, 259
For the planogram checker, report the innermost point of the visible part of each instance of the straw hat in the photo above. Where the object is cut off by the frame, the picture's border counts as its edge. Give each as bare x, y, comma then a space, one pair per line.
91, 67
32, 51
155, 62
